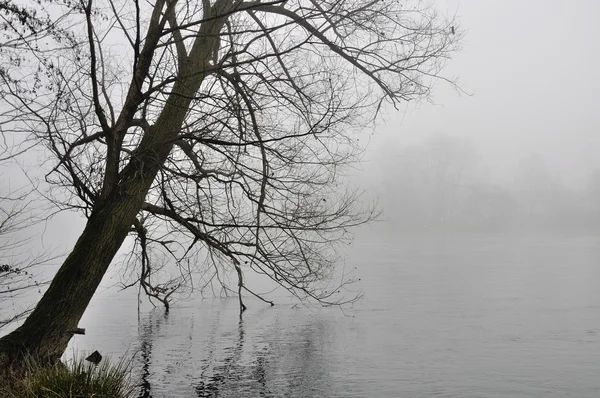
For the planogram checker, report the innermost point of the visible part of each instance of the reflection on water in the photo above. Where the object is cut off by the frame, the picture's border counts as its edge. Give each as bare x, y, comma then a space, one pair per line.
281, 356
210, 382
145, 355
445, 316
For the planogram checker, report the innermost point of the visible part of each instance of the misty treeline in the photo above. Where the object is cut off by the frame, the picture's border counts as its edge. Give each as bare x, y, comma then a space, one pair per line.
443, 182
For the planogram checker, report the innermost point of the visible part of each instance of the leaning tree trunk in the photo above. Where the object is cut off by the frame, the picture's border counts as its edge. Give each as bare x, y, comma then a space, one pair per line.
48, 329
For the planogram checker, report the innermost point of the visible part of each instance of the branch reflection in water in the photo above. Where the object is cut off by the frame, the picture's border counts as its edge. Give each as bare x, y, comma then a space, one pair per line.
264, 353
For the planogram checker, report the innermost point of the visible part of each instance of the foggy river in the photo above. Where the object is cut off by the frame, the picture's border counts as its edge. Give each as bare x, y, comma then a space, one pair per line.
444, 316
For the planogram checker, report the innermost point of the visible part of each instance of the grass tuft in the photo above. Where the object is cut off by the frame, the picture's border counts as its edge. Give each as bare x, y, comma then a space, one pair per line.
77, 379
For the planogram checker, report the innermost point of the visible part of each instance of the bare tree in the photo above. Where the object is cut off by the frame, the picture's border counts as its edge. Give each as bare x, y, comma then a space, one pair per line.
216, 133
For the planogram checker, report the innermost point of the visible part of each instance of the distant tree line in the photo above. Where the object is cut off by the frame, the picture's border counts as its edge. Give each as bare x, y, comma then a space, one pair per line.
441, 183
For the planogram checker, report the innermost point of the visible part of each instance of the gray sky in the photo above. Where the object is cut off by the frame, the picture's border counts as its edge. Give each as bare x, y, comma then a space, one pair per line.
531, 67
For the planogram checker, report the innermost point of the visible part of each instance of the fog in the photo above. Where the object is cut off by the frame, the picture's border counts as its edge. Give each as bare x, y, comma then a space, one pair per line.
521, 128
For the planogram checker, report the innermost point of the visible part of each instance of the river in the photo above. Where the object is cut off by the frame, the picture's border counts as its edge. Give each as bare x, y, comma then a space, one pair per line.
444, 315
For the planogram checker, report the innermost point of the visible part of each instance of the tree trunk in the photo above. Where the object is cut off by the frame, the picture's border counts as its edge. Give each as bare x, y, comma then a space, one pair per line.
48, 329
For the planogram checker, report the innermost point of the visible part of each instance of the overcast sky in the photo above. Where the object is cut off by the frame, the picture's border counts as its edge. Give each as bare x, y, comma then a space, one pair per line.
532, 69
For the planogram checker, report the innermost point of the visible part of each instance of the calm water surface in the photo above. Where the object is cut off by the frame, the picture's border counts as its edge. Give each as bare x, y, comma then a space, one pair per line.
444, 316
